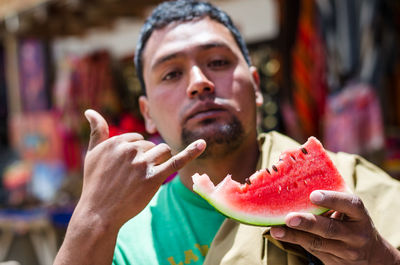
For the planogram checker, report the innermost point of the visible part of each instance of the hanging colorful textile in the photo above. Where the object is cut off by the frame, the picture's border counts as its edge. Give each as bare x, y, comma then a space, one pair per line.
32, 76
354, 121
309, 85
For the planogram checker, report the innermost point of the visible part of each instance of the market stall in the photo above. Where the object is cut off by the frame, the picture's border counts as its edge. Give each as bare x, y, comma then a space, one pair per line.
337, 81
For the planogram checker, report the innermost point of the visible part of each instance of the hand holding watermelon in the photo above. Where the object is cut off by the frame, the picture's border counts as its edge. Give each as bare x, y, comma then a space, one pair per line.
344, 235
298, 191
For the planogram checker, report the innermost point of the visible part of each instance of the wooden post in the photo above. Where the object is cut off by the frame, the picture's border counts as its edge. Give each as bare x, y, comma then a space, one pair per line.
12, 74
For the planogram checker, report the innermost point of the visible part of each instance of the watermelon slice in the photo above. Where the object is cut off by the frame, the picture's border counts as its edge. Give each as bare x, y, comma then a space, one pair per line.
270, 194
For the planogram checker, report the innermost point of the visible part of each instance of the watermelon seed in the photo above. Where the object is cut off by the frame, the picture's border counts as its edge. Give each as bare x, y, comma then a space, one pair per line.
292, 156
247, 180
305, 182
304, 150
287, 188
280, 188
268, 171
274, 168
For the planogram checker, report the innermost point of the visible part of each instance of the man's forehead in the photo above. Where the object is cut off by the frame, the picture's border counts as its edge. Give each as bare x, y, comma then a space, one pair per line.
197, 32
184, 23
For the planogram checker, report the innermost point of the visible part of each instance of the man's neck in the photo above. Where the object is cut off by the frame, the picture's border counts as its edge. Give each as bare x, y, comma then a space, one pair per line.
240, 164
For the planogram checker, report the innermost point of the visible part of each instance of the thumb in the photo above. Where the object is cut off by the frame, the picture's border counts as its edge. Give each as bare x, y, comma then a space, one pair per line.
98, 128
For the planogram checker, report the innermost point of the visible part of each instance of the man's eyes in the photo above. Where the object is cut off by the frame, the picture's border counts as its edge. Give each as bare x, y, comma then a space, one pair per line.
218, 63
172, 75
213, 64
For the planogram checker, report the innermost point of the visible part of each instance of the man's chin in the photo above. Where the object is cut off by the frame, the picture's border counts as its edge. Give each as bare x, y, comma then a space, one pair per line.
221, 139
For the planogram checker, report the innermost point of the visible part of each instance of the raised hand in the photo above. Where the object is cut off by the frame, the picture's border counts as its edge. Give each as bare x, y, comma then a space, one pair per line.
122, 173
345, 235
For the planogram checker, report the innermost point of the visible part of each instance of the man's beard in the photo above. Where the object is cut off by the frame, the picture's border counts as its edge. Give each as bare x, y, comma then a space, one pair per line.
221, 139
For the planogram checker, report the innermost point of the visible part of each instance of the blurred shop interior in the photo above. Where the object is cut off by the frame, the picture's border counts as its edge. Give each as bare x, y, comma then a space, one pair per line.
329, 68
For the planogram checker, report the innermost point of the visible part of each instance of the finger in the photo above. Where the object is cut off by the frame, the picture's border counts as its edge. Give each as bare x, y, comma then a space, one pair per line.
325, 227
312, 243
328, 213
349, 204
158, 154
335, 215
342, 256
98, 128
140, 146
338, 216
129, 137
181, 159
327, 258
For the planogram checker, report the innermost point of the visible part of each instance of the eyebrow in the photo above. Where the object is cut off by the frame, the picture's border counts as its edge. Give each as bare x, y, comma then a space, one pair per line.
203, 47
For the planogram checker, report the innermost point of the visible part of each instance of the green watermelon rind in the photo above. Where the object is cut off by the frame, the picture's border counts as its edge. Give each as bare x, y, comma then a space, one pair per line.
258, 220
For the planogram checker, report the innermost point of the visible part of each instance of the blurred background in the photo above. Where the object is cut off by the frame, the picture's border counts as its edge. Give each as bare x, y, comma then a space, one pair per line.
329, 68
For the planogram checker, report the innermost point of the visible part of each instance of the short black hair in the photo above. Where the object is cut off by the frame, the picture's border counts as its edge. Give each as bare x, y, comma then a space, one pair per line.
182, 11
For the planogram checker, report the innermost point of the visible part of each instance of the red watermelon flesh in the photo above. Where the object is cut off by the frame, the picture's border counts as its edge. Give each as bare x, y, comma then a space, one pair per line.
270, 194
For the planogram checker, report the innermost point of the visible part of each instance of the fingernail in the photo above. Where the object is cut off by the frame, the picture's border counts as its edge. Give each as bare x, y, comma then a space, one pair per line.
88, 118
295, 221
200, 145
278, 232
317, 196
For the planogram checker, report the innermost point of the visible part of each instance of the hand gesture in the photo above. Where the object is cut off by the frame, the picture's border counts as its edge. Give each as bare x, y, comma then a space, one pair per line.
122, 173
345, 235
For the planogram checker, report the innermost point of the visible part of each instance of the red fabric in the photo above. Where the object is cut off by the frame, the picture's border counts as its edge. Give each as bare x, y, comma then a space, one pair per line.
308, 57
128, 123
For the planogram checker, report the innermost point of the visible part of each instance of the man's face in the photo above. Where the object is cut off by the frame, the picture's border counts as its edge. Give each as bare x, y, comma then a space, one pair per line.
199, 86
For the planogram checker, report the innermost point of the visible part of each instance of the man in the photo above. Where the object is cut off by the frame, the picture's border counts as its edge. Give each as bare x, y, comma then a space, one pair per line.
201, 96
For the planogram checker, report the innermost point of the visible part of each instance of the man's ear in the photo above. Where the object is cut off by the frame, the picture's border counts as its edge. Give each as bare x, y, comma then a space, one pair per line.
144, 109
257, 89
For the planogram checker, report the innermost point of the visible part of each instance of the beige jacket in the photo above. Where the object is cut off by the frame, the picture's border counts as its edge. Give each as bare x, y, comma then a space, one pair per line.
239, 244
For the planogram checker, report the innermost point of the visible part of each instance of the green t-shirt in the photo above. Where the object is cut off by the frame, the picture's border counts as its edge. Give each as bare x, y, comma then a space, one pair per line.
176, 228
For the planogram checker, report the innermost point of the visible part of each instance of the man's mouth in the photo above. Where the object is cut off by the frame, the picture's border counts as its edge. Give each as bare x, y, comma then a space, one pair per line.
204, 112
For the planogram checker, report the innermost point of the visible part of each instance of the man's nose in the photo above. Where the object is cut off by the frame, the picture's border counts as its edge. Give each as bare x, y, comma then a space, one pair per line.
199, 84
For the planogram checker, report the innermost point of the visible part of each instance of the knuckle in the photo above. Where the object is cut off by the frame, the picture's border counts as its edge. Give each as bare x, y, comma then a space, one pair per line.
120, 149
192, 153
144, 145
363, 239
148, 143
138, 136
123, 150
113, 141
140, 165
176, 164
150, 172
164, 148
357, 202
354, 254
316, 243
94, 133
332, 228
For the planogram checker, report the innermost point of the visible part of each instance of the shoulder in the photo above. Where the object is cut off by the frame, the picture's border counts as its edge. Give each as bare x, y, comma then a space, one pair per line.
277, 140
271, 145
